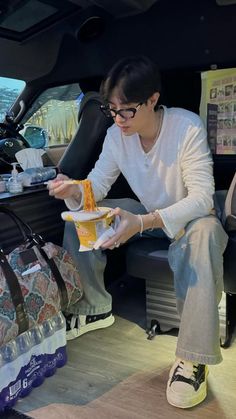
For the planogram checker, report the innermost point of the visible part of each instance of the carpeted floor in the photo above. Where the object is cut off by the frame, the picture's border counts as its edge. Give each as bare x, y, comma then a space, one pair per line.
116, 373
141, 395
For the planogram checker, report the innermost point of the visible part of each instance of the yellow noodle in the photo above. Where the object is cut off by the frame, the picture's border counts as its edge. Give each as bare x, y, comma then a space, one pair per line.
89, 200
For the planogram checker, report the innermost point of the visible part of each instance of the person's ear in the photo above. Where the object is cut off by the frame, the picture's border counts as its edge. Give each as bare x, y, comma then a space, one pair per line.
154, 99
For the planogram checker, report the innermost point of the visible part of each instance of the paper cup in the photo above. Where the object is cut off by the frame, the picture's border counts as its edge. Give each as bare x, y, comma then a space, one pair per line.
89, 225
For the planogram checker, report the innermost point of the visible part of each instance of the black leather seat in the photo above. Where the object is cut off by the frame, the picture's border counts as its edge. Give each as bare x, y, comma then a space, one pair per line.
84, 149
229, 222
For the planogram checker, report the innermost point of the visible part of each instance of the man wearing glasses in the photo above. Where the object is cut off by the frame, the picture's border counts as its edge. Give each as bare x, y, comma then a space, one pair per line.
164, 155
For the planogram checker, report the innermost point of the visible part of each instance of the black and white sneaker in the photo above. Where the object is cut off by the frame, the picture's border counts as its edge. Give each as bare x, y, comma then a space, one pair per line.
187, 385
77, 325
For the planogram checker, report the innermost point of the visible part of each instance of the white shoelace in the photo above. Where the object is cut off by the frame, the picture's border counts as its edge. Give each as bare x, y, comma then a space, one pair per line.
187, 370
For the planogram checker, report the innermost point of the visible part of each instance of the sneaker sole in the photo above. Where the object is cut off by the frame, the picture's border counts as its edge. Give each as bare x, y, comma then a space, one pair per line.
174, 401
99, 324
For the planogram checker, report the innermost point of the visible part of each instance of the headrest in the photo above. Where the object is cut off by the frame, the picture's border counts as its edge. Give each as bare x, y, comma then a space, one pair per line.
83, 151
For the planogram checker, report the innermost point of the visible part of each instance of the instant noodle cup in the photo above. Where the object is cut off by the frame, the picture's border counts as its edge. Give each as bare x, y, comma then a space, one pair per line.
90, 225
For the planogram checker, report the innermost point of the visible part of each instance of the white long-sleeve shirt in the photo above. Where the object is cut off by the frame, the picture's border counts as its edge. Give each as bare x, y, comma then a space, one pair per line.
174, 178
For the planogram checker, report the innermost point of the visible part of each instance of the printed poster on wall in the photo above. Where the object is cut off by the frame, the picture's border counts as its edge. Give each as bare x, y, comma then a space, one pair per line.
218, 109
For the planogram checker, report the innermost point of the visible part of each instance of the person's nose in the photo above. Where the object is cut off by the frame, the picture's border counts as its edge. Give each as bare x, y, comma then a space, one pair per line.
119, 118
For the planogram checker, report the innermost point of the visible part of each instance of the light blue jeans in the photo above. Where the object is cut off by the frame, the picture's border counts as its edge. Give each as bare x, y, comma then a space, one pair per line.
196, 260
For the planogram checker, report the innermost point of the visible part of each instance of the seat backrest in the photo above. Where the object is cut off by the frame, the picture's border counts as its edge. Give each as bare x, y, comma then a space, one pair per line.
84, 149
229, 222
229, 214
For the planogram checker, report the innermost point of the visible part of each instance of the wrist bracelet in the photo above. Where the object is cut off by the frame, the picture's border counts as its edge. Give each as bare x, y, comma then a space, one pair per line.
154, 218
141, 224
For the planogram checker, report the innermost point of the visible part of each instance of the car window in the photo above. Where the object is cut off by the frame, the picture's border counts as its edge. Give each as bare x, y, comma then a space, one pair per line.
53, 118
9, 91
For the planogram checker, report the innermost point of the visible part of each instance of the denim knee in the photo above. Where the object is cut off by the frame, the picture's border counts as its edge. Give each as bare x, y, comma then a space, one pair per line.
207, 229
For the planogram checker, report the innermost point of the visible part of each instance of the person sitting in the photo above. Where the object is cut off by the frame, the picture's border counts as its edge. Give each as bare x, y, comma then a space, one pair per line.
164, 155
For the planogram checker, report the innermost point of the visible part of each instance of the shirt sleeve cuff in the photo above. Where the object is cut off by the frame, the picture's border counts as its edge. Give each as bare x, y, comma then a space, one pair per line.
172, 230
74, 204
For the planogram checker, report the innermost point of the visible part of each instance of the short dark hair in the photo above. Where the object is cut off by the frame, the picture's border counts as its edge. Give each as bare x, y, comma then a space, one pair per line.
136, 77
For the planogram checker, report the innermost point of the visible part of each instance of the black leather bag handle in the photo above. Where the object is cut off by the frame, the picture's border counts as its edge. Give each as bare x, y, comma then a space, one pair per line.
31, 239
24, 229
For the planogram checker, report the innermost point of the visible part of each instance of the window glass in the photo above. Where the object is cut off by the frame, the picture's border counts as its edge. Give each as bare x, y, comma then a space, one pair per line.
55, 112
22, 18
9, 90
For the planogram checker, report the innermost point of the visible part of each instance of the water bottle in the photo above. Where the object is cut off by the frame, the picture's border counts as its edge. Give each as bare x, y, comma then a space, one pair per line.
35, 175
60, 327
38, 357
10, 385
24, 346
49, 346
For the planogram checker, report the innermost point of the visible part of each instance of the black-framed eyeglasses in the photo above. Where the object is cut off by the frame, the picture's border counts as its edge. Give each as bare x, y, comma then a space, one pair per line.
123, 113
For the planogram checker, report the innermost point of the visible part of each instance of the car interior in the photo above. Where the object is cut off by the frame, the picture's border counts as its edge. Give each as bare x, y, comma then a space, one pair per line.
61, 50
